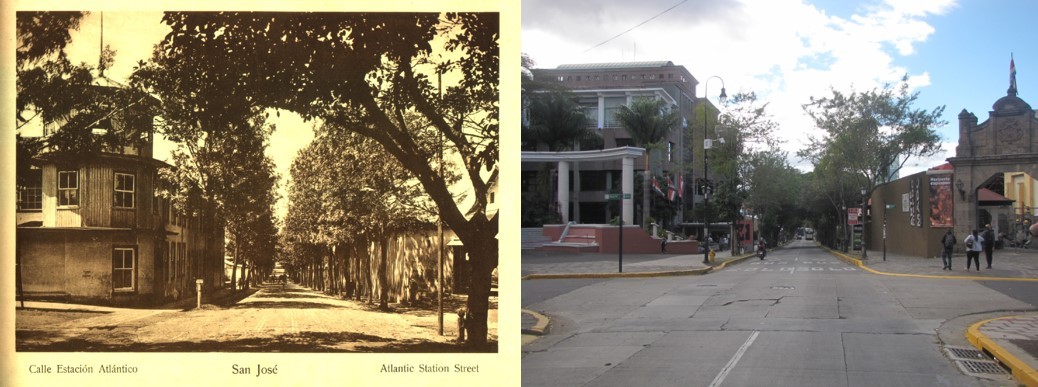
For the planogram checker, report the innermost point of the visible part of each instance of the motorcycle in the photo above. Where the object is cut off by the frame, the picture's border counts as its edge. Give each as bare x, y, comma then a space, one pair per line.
760, 253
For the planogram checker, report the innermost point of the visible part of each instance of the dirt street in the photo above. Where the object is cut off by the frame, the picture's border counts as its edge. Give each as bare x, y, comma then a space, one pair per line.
271, 320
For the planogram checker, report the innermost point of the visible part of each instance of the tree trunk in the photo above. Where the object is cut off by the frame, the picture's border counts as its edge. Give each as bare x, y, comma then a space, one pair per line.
369, 288
383, 277
483, 261
234, 263
247, 274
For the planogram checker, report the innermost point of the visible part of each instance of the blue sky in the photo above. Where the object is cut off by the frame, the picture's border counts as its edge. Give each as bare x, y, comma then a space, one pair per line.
956, 53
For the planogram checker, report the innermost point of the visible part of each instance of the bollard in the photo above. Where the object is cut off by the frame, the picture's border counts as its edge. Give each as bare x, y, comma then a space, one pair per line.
198, 291
462, 316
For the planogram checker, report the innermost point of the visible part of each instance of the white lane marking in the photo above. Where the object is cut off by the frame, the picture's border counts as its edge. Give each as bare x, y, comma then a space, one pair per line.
793, 271
735, 359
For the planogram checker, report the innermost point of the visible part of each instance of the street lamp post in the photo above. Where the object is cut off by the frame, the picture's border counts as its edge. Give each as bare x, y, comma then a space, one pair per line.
706, 168
846, 228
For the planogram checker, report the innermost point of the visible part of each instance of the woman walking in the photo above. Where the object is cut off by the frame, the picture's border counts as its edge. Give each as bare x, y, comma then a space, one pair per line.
974, 245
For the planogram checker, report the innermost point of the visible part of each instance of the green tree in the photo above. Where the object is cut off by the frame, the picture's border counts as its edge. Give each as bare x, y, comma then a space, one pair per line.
360, 71
648, 121
874, 133
745, 125
557, 120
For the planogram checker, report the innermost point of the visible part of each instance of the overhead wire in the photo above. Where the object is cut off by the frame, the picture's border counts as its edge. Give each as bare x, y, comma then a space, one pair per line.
636, 26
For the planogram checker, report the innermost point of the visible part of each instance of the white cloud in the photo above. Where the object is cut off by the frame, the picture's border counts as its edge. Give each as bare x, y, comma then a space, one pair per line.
784, 50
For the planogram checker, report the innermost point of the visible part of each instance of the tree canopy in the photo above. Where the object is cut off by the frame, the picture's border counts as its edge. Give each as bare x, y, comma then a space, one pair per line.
648, 121
873, 133
363, 72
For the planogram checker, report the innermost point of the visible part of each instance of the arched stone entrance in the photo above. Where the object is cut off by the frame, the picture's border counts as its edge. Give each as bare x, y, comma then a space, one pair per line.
1006, 144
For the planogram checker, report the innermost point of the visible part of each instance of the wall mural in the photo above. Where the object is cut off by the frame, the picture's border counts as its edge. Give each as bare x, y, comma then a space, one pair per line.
915, 212
941, 201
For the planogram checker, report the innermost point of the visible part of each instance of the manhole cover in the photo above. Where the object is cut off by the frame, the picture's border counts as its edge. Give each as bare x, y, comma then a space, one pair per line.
982, 367
783, 288
706, 285
963, 353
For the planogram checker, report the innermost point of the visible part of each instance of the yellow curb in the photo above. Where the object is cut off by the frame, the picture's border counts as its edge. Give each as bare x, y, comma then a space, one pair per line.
542, 323
859, 263
1021, 371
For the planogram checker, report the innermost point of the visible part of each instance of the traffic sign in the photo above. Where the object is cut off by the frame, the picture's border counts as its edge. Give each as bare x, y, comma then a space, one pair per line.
853, 215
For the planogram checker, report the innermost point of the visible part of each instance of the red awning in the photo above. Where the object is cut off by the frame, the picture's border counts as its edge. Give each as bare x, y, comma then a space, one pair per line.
987, 195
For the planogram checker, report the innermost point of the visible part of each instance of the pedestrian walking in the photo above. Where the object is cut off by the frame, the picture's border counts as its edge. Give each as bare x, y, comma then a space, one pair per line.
974, 245
948, 241
989, 243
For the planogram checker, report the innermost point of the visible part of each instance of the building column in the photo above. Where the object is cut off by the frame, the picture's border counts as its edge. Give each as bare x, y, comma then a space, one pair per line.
627, 188
564, 191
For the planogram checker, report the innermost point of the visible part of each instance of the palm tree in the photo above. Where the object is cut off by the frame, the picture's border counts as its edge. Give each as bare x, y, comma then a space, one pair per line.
648, 121
558, 121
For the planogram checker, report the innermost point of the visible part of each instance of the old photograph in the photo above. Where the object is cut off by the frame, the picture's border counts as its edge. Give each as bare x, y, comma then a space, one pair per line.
257, 182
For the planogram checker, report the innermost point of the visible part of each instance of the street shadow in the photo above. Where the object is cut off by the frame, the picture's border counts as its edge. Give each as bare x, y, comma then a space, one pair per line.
292, 295
285, 304
308, 342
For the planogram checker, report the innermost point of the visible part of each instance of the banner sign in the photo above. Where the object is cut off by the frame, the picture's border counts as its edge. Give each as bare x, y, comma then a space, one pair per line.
941, 201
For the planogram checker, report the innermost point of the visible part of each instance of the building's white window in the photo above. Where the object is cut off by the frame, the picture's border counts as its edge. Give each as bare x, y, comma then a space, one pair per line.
68, 188
124, 189
30, 196
123, 268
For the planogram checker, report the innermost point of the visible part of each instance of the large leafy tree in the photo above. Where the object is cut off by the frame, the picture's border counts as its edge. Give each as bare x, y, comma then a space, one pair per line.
774, 188
348, 193
558, 122
873, 133
249, 190
745, 126
362, 71
52, 91
648, 121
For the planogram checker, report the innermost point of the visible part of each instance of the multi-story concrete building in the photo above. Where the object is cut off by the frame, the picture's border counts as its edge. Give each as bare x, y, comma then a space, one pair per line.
91, 228
602, 89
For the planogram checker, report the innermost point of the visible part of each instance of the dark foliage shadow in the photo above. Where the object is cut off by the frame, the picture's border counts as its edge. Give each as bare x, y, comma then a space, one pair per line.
285, 304
309, 342
293, 295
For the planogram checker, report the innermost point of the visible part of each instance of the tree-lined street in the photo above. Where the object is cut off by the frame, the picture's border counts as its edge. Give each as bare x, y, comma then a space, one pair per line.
799, 317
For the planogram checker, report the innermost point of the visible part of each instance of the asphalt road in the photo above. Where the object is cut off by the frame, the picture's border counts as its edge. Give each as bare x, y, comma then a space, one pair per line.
799, 318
